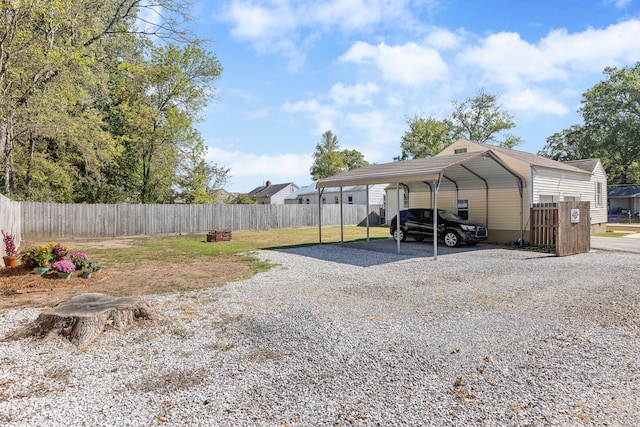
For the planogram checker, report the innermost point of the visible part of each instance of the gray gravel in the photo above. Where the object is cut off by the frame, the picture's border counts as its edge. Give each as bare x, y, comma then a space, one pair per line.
336, 335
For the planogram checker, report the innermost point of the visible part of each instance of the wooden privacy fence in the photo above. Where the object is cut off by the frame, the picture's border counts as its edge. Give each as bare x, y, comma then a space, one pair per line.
565, 226
44, 221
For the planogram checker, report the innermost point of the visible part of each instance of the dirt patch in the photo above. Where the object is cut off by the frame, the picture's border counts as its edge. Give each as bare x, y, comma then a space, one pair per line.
21, 288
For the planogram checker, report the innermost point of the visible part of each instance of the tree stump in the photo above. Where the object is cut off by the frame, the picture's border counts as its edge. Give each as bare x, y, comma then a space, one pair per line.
83, 317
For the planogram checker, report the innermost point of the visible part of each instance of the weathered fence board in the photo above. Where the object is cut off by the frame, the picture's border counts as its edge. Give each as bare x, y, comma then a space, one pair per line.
10, 220
544, 218
44, 221
574, 233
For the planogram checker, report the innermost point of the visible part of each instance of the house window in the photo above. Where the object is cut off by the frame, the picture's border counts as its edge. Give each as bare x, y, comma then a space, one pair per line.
460, 150
350, 199
337, 200
405, 200
463, 209
299, 200
571, 197
599, 194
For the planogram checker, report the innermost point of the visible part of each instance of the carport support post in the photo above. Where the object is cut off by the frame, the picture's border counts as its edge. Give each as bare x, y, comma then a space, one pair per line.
398, 216
367, 212
341, 218
320, 190
436, 185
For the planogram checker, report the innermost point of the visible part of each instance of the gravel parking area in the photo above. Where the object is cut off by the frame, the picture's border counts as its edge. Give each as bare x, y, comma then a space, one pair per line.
337, 336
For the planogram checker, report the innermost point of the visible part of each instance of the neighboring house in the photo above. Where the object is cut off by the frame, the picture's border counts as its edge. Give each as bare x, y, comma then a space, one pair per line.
272, 194
624, 199
351, 195
545, 181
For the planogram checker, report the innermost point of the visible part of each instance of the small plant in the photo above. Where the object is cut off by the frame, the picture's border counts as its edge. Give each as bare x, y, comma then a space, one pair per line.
63, 266
95, 266
27, 258
42, 256
58, 251
80, 259
9, 244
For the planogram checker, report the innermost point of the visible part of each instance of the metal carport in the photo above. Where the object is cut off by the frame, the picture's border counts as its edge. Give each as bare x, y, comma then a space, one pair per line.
476, 170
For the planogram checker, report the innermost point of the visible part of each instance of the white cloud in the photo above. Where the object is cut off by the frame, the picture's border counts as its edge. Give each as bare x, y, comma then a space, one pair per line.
621, 4
256, 22
509, 59
323, 116
379, 132
360, 94
534, 101
249, 170
441, 38
409, 64
357, 14
278, 26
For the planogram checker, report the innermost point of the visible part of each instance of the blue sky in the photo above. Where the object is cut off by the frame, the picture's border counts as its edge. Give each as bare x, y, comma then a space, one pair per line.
295, 69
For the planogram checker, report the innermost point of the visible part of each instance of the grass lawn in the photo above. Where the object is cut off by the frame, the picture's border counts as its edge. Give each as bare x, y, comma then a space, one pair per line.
188, 247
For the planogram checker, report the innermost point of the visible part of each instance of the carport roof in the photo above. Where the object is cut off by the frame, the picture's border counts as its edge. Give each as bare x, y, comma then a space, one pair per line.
465, 170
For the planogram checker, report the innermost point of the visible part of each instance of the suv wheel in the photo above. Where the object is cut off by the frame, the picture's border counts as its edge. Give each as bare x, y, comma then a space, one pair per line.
451, 239
399, 234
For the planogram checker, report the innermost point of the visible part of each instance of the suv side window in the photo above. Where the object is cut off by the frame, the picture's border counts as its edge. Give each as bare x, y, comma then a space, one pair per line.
406, 216
426, 216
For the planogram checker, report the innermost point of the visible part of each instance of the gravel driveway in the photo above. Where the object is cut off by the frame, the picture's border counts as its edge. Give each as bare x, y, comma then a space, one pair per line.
337, 335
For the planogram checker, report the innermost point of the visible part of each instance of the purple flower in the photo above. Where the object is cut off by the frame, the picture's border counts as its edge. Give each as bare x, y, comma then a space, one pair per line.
63, 266
79, 255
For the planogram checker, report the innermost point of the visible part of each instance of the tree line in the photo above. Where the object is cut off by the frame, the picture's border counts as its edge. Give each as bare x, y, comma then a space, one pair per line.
99, 101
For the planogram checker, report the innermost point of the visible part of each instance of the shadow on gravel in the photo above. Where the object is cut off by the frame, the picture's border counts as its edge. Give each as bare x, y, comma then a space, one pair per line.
386, 251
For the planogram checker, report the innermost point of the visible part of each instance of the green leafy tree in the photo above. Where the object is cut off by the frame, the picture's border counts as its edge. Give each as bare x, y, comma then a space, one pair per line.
243, 199
478, 118
481, 119
611, 129
198, 179
570, 144
161, 100
611, 113
425, 138
65, 130
329, 160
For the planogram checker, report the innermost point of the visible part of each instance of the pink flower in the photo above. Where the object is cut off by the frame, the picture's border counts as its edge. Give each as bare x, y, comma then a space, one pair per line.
63, 266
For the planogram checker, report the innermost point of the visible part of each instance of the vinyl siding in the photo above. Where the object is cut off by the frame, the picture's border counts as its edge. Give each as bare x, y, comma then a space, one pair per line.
563, 185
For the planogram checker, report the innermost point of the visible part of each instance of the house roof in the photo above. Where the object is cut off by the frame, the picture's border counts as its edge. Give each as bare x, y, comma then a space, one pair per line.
615, 192
268, 190
586, 164
309, 189
468, 170
532, 159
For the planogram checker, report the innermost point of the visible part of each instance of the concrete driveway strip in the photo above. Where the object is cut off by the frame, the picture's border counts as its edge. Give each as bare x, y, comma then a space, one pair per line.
630, 243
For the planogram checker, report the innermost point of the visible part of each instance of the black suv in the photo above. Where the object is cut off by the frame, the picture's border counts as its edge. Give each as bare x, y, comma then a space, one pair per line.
453, 230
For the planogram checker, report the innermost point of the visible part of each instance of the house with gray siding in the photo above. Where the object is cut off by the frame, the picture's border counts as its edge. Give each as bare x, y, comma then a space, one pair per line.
272, 194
